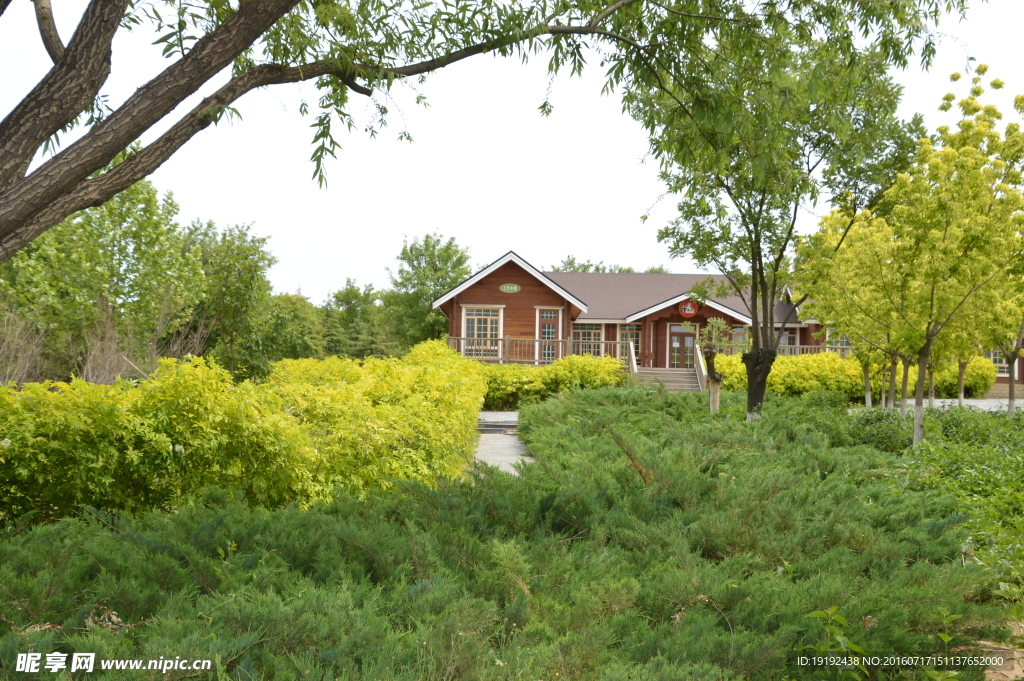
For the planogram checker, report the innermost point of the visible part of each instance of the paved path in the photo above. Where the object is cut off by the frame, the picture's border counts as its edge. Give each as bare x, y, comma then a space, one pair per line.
500, 449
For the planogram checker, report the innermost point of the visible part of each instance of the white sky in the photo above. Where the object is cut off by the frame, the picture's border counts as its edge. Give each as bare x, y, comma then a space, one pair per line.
485, 167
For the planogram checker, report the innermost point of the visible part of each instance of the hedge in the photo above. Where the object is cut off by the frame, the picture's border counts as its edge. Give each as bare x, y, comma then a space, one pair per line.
510, 384
314, 424
795, 375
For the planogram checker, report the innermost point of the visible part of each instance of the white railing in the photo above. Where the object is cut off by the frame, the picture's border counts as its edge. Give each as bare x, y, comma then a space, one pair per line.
842, 350
701, 367
632, 359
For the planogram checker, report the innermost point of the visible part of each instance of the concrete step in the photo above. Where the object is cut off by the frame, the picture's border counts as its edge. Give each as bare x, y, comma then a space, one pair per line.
675, 380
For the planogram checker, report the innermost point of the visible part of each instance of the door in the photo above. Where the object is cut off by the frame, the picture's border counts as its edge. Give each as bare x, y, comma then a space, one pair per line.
681, 341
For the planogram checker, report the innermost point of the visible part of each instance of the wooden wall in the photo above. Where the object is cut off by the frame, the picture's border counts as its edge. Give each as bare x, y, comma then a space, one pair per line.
520, 317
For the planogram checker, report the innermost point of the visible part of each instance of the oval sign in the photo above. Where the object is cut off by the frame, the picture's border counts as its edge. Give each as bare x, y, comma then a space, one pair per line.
687, 308
510, 288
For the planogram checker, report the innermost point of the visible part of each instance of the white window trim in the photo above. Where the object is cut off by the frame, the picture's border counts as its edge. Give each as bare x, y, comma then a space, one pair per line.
640, 343
501, 318
536, 331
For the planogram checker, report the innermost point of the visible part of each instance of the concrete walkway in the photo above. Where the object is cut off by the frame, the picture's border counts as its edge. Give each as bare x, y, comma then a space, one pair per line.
497, 447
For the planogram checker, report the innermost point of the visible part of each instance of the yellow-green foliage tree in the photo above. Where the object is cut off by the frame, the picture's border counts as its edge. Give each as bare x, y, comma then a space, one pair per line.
953, 233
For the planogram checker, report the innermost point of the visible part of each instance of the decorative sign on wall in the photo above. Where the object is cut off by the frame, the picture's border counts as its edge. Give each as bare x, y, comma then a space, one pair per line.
510, 288
687, 308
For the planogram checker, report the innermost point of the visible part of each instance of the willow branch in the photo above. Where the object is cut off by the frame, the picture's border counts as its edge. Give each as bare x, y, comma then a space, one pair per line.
48, 30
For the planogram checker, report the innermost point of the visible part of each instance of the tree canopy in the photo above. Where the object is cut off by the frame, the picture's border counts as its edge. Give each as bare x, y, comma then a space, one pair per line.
365, 47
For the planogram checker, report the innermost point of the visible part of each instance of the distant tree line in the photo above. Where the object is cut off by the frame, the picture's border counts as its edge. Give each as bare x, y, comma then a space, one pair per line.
111, 290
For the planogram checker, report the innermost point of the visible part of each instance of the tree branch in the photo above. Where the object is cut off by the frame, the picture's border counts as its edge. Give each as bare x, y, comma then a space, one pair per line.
3, 6
48, 30
64, 93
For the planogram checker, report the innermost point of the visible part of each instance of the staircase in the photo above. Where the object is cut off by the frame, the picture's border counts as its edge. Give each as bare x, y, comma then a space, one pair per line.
675, 380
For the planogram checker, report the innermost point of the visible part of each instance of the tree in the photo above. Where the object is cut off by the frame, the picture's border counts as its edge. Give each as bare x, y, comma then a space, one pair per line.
355, 324
237, 296
952, 236
1005, 327
570, 264
107, 286
366, 49
813, 117
715, 338
428, 269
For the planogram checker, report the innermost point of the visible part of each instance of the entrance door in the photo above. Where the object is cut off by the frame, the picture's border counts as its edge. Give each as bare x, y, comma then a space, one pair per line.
681, 340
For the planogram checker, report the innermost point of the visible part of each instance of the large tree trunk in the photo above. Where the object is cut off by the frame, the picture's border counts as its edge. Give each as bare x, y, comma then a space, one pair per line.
903, 389
961, 368
923, 357
867, 384
759, 365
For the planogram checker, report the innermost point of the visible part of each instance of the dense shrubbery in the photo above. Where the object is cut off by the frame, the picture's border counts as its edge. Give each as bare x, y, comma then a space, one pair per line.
381, 419
980, 457
316, 423
795, 375
510, 384
651, 542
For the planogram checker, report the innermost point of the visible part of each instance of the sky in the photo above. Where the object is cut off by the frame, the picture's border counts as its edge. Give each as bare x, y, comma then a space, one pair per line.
484, 166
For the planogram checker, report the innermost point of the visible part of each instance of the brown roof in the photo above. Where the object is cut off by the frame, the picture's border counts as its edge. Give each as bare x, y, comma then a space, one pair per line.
617, 295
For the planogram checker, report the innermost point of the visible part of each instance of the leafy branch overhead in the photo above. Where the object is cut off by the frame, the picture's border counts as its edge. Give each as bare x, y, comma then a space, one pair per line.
366, 47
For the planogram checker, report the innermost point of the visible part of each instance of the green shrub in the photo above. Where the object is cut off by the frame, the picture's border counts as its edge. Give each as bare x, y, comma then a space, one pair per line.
578, 569
884, 429
510, 384
137, 447
978, 379
312, 425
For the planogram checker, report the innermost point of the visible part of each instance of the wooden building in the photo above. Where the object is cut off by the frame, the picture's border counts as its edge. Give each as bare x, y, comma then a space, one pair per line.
512, 312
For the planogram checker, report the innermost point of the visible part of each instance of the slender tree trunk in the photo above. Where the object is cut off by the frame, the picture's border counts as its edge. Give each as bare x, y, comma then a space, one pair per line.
867, 385
759, 365
961, 373
891, 403
931, 387
1011, 406
903, 389
714, 388
923, 357
714, 381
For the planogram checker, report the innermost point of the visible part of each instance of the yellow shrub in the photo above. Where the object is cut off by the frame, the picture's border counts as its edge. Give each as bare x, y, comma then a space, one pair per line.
386, 418
508, 384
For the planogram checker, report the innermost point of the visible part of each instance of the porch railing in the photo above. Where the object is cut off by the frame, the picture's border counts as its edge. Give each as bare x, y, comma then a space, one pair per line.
534, 351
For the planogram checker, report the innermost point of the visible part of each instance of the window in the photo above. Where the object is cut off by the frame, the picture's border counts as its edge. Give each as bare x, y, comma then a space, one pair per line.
587, 339
1002, 367
834, 340
631, 332
738, 339
548, 332
482, 332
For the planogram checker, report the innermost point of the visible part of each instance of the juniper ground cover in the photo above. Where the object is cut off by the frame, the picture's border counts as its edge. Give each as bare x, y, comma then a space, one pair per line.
649, 541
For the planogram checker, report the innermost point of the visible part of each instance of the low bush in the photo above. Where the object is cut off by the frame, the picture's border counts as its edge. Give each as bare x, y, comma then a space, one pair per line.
650, 541
314, 424
138, 446
508, 385
794, 375
384, 419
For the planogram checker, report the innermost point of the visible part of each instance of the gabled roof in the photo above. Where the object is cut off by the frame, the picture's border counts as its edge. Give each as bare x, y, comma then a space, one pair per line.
507, 258
629, 296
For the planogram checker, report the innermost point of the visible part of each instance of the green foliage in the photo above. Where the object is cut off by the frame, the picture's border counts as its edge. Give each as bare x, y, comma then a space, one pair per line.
135, 447
575, 570
570, 264
427, 269
109, 281
385, 419
355, 323
509, 385
313, 425
979, 456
